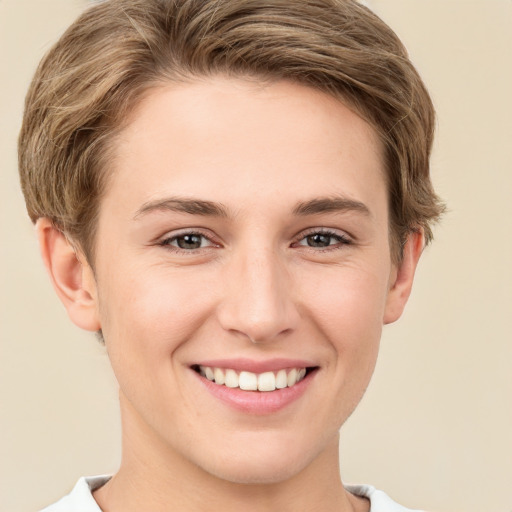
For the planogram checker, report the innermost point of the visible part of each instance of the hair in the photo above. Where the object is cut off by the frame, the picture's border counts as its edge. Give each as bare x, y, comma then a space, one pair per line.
116, 51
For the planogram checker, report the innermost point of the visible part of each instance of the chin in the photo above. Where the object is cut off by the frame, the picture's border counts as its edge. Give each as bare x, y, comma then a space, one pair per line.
253, 474
263, 462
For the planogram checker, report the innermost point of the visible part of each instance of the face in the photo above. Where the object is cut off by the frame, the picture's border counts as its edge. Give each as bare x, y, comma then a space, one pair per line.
243, 238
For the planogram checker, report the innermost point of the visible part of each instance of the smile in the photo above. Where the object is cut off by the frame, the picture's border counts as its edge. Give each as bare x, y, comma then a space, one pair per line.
256, 387
249, 381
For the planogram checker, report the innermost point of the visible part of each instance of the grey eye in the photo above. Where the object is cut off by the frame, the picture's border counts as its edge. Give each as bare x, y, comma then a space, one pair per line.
319, 240
190, 241
324, 240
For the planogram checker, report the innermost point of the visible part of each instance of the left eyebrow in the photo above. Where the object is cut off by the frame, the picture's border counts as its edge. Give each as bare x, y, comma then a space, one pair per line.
330, 204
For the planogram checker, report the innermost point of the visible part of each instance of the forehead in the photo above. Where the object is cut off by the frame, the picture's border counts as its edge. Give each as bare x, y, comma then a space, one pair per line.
239, 141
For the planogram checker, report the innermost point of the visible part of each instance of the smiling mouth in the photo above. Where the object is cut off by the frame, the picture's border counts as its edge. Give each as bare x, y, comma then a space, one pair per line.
249, 381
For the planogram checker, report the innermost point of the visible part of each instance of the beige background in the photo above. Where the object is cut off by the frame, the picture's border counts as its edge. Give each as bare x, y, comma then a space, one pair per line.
435, 429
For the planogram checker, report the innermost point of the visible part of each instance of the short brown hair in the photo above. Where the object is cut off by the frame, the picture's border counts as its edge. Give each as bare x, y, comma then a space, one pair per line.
92, 78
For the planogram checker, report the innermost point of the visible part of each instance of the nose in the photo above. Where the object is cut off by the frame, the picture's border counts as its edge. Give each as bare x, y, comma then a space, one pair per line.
257, 302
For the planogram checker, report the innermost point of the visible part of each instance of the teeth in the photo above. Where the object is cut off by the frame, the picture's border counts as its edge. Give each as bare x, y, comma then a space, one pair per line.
292, 377
231, 379
209, 373
281, 379
266, 381
248, 381
218, 375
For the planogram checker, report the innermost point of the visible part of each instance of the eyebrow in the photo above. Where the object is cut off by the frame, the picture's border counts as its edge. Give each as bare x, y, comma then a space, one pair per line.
330, 204
183, 205
319, 205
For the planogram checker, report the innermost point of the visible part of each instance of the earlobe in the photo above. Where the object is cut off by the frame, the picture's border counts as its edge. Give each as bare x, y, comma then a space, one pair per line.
71, 276
403, 277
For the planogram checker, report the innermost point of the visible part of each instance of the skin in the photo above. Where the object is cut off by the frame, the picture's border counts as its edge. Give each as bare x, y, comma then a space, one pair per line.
256, 288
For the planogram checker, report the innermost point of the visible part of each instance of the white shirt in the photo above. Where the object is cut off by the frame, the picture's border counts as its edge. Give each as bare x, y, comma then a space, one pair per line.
80, 498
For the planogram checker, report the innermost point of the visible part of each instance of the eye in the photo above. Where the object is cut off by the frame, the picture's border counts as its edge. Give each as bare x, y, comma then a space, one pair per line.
324, 239
187, 242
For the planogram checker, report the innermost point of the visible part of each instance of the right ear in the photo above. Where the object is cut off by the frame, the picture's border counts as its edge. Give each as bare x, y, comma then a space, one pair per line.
71, 276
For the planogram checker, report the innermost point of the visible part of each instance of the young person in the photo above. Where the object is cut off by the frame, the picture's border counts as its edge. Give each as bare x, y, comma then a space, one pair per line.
234, 194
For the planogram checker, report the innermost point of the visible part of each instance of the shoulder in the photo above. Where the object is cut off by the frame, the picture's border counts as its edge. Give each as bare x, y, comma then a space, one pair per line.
80, 499
379, 501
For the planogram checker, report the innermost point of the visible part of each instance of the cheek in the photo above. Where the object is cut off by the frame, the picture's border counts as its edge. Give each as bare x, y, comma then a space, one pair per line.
349, 305
349, 310
147, 316
346, 309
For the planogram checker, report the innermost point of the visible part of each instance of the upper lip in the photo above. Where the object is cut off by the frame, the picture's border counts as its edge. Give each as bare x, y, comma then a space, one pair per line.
251, 365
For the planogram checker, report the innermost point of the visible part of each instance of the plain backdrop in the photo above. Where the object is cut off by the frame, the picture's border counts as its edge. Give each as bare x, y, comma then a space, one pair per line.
435, 428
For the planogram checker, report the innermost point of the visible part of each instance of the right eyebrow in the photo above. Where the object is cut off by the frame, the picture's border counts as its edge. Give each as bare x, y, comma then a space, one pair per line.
183, 205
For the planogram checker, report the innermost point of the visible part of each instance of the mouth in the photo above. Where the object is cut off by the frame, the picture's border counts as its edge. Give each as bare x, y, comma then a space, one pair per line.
256, 387
267, 381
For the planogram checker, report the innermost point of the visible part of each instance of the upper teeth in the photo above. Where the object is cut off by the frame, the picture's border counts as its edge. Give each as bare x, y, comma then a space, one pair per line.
267, 381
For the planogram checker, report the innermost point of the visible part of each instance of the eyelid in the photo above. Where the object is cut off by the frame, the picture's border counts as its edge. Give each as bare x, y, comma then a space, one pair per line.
170, 236
342, 237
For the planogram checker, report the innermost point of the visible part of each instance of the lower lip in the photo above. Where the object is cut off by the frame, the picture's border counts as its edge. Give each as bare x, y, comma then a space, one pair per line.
257, 402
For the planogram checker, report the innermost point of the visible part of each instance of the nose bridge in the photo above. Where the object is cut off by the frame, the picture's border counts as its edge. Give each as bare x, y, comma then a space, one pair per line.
258, 301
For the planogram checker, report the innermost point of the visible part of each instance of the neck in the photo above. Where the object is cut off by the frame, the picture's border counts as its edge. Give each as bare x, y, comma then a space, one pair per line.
155, 477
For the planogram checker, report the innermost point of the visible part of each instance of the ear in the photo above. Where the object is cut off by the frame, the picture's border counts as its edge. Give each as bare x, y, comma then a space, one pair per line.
402, 277
71, 276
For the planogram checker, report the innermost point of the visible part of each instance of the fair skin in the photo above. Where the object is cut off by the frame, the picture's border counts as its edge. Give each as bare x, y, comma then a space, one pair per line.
245, 227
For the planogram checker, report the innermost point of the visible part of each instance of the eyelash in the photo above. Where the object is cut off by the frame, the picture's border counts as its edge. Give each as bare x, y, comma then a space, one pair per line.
166, 242
342, 240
